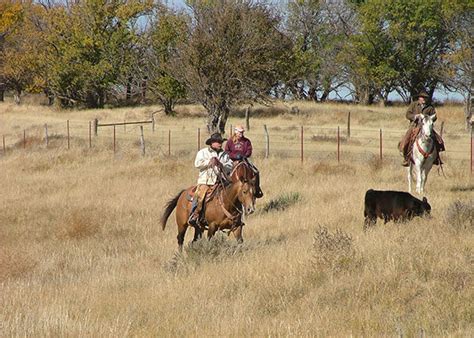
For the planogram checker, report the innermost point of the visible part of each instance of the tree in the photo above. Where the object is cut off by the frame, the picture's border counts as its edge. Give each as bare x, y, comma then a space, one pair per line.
168, 30
21, 54
458, 72
370, 54
91, 46
421, 40
315, 65
233, 51
11, 14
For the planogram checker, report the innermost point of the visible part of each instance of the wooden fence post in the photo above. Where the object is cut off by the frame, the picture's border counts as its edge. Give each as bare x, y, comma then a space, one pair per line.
114, 140
380, 143
302, 141
90, 134
441, 130
142, 141
472, 151
230, 131
199, 139
247, 118
267, 141
169, 142
46, 134
349, 125
24, 139
338, 145
4, 148
96, 126
68, 145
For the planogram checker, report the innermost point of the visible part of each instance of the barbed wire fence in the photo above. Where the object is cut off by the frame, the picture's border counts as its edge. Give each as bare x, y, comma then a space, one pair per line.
308, 142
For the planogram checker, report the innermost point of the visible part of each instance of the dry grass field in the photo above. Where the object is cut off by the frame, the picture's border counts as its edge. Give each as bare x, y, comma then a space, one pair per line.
82, 252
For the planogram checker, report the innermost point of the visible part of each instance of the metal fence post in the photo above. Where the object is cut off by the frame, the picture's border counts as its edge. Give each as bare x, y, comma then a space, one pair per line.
169, 142
46, 134
68, 145
380, 143
338, 145
267, 141
302, 141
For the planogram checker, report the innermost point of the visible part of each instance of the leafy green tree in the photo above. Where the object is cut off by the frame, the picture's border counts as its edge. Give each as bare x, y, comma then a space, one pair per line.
315, 64
233, 51
91, 45
168, 30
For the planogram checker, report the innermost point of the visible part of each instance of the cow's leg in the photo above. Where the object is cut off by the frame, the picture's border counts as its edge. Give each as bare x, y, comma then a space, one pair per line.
369, 221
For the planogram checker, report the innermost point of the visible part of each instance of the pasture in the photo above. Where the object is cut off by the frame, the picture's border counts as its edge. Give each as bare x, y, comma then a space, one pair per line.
82, 252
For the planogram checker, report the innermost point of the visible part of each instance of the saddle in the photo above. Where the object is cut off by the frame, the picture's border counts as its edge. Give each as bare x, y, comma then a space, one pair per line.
210, 193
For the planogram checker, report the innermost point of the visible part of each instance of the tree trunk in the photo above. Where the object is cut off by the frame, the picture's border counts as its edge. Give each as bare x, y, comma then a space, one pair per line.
17, 96
2, 95
468, 107
217, 118
128, 95
168, 105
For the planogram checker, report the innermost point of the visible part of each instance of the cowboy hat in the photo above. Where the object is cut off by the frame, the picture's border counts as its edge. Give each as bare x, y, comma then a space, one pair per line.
216, 137
423, 94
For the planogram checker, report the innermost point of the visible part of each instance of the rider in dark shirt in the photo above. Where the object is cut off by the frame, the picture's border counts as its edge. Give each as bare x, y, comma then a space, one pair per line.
239, 148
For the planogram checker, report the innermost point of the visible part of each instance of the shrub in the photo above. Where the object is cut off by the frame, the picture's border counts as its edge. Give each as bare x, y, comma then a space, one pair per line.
333, 252
282, 202
460, 215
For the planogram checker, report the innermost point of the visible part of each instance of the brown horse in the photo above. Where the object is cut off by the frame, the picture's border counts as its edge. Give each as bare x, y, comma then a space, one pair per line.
222, 211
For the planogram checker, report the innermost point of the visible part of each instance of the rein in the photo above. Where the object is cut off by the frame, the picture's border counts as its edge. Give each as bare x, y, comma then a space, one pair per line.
223, 178
425, 154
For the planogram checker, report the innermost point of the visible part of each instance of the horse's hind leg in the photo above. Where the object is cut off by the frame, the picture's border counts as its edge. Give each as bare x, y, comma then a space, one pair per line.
181, 233
211, 231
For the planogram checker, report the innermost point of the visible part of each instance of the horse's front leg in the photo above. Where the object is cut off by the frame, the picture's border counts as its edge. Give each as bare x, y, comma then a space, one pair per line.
409, 172
211, 230
238, 234
422, 180
418, 178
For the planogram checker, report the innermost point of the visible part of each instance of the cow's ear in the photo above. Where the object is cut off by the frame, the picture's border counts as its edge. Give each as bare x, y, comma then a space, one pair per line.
425, 200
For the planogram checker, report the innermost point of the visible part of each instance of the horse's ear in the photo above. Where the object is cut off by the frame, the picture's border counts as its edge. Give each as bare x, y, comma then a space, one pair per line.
432, 117
425, 200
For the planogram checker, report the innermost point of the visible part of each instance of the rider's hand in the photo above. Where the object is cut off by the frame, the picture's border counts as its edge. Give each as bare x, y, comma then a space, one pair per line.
238, 157
214, 161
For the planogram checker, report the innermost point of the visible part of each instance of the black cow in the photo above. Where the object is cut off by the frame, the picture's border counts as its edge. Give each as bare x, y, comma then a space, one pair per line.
392, 205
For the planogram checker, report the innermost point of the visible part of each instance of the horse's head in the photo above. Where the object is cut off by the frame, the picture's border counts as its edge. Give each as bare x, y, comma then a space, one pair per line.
246, 195
427, 124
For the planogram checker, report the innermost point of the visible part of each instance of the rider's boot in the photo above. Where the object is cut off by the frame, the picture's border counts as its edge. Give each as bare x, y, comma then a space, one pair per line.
405, 162
258, 191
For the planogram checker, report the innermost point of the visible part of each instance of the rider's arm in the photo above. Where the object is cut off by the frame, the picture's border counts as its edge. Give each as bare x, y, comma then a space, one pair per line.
248, 150
201, 161
226, 162
411, 112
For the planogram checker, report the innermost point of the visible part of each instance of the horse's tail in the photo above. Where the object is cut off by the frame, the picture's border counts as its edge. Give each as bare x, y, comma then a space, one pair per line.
169, 209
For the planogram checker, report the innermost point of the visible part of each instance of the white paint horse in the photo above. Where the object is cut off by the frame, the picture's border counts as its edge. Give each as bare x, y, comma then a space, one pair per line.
423, 155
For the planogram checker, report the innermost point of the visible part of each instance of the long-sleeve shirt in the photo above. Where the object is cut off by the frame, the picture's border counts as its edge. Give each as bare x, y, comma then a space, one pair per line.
242, 148
207, 175
416, 108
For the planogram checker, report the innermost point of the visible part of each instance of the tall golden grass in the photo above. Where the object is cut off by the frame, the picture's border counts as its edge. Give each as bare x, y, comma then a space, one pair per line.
82, 253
